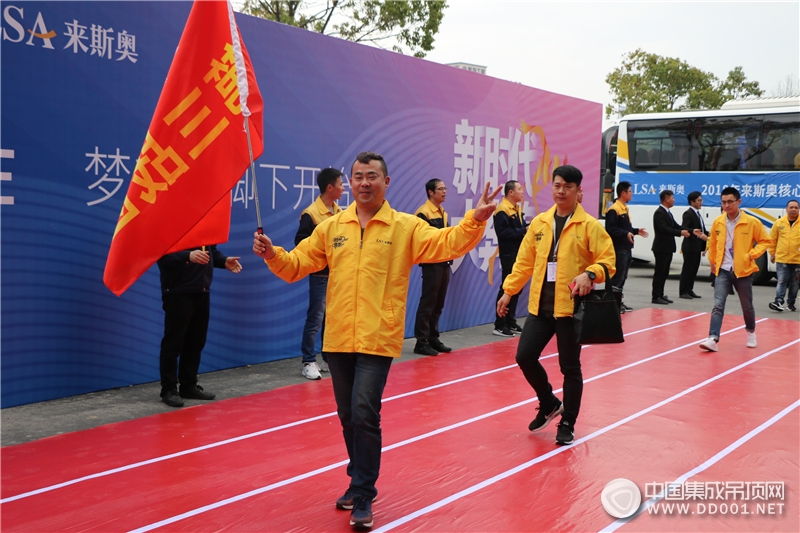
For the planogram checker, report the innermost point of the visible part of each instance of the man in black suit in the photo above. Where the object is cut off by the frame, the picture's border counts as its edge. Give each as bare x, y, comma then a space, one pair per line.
666, 229
693, 246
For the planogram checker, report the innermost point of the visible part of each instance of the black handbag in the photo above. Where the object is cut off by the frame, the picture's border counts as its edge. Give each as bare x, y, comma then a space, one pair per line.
597, 316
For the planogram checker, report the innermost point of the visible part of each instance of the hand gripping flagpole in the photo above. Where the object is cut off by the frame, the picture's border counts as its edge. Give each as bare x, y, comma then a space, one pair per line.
241, 79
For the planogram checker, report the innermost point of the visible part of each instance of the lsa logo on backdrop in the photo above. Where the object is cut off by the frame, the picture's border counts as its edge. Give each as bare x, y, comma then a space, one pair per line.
92, 39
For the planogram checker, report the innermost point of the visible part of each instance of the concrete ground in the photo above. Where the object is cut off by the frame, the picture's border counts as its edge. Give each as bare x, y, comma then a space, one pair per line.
39, 420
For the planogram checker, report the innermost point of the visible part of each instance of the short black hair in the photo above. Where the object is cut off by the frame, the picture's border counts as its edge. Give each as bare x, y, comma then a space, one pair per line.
790, 201
327, 176
569, 173
510, 186
366, 157
694, 195
622, 187
430, 186
663, 195
731, 191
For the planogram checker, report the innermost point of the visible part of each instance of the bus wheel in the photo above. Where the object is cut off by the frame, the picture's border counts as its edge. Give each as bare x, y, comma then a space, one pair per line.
763, 275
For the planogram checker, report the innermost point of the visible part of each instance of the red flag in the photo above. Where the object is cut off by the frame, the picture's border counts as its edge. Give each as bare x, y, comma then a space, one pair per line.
195, 149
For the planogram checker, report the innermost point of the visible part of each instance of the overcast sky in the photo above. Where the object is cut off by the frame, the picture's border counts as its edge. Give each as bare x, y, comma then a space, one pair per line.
570, 47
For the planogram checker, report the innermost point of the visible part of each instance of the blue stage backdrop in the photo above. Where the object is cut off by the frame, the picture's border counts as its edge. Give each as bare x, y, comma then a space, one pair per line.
80, 82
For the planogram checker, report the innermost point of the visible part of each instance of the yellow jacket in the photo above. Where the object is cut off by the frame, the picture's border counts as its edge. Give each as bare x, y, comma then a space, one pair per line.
748, 230
584, 244
785, 241
368, 284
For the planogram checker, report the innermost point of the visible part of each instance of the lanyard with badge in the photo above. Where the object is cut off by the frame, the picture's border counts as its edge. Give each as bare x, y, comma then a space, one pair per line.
551, 265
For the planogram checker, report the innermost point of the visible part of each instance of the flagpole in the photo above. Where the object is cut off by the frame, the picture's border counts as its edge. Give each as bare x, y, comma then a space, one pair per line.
260, 229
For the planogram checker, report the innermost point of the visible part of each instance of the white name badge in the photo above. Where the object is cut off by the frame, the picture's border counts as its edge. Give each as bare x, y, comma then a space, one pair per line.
551, 271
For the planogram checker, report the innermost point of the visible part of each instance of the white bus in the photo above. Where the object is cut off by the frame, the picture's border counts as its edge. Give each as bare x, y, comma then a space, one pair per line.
752, 145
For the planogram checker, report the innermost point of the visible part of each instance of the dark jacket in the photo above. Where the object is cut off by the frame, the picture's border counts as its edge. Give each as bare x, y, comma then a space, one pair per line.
618, 225
510, 228
692, 244
665, 229
181, 276
435, 216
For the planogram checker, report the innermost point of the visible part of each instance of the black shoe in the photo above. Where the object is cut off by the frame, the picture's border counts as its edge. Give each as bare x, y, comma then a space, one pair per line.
172, 399
791, 308
776, 306
505, 332
437, 345
361, 516
660, 301
667, 299
566, 433
516, 328
423, 348
686, 296
625, 308
694, 295
345, 503
543, 418
196, 393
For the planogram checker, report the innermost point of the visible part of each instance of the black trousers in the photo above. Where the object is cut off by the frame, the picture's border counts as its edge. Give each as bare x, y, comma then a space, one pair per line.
663, 261
536, 333
185, 330
691, 263
435, 279
500, 322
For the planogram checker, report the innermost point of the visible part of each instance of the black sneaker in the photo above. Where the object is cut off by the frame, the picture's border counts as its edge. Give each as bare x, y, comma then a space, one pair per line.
196, 393
775, 306
505, 332
345, 503
791, 308
516, 328
361, 516
172, 399
542, 418
423, 348
566, 433
437, 345
625, 308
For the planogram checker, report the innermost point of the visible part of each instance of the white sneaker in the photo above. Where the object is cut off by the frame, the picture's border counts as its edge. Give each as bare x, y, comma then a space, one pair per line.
311, 371
323, 366
709, 344
751, 340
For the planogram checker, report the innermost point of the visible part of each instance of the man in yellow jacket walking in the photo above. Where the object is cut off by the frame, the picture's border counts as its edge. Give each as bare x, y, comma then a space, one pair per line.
370, 249
784, 249
733, 261
561, 254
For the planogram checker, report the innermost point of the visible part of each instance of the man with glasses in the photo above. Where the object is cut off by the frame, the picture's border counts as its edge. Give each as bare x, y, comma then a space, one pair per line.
510, 227
733, 260
370, 249
435, 277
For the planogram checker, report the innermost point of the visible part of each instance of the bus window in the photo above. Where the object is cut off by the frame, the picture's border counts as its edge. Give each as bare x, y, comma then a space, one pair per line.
728, 143
781, 142
660, 144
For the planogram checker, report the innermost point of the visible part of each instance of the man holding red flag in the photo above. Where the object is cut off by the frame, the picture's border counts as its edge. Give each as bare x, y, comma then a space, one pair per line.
195, 150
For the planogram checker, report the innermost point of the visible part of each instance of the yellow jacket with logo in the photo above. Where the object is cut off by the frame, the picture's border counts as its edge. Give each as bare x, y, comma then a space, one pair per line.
785, 241
584, 244
748, 230
368, 284
311, 217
